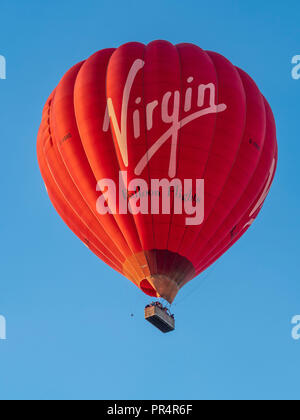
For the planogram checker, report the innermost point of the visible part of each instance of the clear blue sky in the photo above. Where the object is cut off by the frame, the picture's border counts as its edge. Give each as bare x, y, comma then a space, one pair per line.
70, 335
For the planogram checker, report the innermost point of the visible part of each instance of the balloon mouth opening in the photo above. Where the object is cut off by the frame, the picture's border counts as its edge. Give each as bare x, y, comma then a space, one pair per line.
147, 288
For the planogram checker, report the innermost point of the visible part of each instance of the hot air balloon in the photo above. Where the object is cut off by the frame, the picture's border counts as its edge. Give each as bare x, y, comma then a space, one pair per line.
158, 157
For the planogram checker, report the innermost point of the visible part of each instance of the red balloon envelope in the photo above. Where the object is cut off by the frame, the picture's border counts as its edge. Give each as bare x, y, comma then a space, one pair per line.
158, 157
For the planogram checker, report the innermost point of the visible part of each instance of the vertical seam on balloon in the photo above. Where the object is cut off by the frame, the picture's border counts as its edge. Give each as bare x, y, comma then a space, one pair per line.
55, 193
91, 170
114, 148
129, 214
148, 166
212, 140
252, 175
68, 171
99, 222
233, 163
54, 179
241, 233
178, 153
232, 166
127, 260
79, 192
48, 122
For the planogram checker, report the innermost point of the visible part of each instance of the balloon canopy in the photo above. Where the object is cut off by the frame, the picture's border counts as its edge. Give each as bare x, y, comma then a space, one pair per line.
158, 157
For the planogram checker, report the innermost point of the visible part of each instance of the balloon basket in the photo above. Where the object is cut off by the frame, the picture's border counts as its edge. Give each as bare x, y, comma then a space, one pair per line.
160, 318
